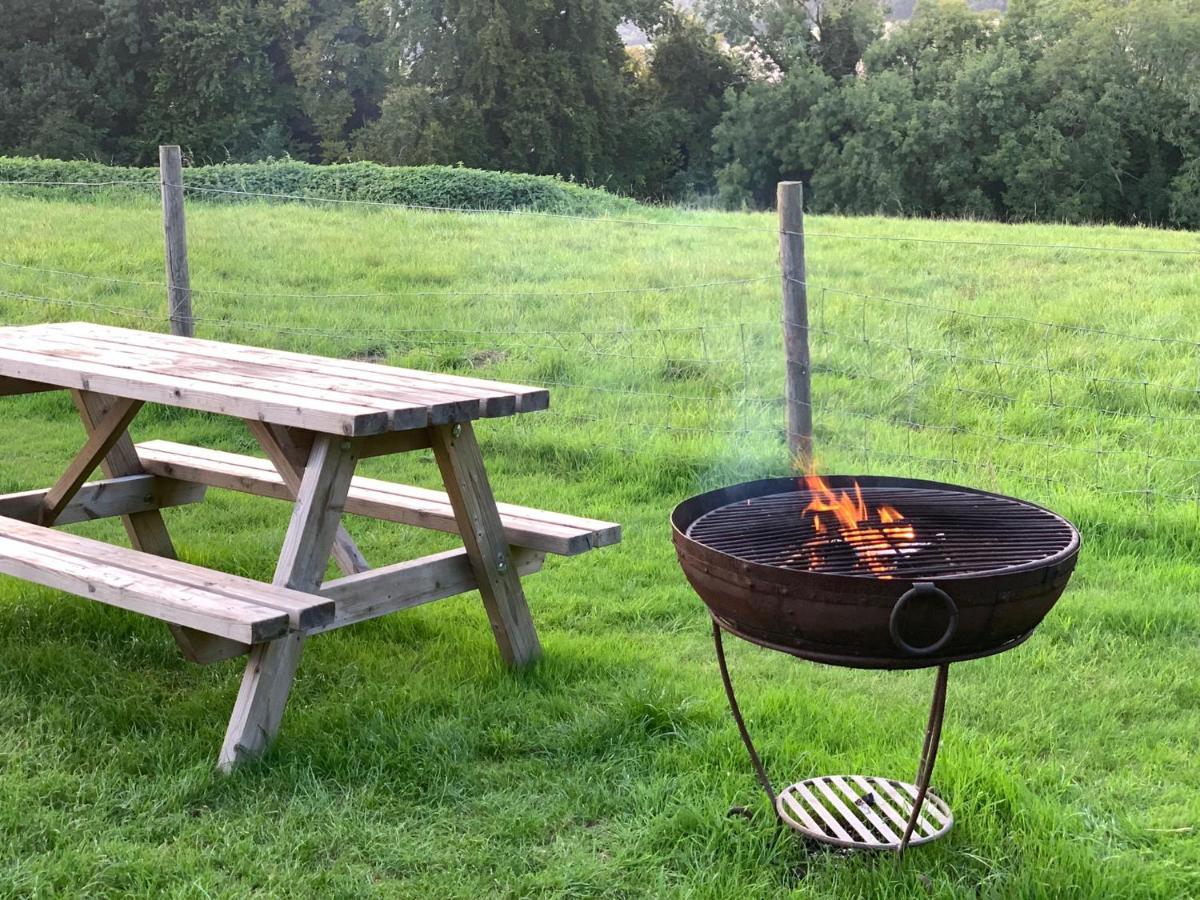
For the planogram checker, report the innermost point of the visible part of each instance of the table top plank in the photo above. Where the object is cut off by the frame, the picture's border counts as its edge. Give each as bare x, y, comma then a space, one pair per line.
334, 396
184, 392
405, 411
372, 379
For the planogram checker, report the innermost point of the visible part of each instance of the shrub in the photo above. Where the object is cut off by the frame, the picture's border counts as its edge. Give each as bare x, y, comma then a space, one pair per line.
431, 186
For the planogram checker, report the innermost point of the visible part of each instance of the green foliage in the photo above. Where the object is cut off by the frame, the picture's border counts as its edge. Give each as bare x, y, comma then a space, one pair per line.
432, 186
683, 85
541, 87
1070, 111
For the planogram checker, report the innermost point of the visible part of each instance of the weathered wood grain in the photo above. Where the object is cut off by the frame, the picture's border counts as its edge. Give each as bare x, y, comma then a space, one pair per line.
104, 499
179, 283
88, 569
147, 531
463, 473
102, 437
288, 457
536, 529
498, 398
271, 667
408, 584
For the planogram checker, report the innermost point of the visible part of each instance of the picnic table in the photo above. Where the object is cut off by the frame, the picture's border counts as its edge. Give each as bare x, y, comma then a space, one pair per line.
314, 419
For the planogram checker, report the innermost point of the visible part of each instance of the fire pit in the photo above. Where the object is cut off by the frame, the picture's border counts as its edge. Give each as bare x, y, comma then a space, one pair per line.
871, 572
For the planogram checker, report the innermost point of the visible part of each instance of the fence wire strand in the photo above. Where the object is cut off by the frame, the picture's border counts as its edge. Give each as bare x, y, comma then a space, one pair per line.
900, 383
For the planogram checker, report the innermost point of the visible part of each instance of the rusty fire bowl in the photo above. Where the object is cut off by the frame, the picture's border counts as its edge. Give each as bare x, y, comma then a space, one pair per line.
862, 620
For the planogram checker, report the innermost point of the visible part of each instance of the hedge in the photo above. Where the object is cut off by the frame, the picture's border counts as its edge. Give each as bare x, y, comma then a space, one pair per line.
432, 186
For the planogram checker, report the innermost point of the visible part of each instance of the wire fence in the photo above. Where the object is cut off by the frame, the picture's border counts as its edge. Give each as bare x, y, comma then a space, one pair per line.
966, 369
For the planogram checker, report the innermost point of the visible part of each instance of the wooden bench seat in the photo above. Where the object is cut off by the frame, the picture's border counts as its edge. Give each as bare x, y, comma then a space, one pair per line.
535, 529
227, 606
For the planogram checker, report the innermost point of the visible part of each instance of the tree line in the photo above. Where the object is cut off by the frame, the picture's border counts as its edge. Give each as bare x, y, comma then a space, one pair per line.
1064, 110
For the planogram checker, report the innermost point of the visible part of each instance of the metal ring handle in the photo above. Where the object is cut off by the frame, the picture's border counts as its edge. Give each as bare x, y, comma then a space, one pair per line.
923, 589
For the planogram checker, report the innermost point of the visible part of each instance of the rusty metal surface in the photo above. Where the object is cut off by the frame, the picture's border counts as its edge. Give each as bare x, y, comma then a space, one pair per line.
840, 618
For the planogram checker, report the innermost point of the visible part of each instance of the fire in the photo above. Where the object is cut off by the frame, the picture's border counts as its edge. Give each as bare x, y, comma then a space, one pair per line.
877, 536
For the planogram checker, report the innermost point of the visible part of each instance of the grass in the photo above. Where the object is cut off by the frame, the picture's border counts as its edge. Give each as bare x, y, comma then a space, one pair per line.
412, 764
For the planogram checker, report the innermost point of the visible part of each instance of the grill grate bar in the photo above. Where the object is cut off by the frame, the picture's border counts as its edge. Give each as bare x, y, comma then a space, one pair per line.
955, 533
846, 810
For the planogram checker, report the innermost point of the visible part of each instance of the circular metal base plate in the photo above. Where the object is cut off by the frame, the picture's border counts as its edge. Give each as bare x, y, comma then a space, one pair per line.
863, 812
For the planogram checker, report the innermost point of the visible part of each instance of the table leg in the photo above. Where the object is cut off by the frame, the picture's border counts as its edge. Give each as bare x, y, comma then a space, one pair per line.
461, 464
147, 531
269, 671
288, 454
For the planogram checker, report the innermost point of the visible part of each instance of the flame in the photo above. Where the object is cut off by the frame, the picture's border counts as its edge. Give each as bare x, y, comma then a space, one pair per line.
877, 536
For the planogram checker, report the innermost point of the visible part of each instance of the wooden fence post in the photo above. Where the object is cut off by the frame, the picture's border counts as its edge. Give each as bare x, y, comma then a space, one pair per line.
790, 201
179, 285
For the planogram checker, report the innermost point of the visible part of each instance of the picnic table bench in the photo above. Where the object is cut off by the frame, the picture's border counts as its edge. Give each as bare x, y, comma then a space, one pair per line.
314, 419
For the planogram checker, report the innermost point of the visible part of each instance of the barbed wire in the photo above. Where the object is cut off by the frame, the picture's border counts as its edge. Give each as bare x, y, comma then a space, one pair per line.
993, 362
648, 289
996, 317
961, 242
895, 381
616, 220
81, 304
116, 183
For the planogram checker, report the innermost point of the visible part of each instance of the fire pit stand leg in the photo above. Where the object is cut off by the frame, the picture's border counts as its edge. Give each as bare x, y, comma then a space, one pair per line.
933, 737
862, 812
741, 723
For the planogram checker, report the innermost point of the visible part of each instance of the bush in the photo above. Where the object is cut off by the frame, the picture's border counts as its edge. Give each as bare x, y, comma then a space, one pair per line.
432, 186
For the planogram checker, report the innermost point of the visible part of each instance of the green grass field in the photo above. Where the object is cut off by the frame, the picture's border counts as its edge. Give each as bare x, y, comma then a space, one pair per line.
412, 764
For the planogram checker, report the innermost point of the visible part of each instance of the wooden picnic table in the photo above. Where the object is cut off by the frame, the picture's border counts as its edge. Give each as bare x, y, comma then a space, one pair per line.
314, 418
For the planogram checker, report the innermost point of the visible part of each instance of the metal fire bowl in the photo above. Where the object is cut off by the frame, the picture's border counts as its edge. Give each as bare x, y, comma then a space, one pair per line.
851, 620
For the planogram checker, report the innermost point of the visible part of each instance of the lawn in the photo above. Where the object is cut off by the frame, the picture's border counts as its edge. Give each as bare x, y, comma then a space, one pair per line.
412, 764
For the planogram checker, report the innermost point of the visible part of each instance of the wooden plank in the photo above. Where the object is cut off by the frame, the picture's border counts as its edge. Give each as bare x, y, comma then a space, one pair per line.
393, 442
267, 681
172, 390
404, 585
10, 387
461, 464
103, 499
86, 574
494, 394
536, 529
206, 649
147, 531
318, 511
445, 403
101, 438
399, 402
288, 457
303, 610
216, 379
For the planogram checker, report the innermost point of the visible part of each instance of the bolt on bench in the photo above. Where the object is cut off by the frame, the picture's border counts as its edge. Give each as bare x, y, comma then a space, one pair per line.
314, 418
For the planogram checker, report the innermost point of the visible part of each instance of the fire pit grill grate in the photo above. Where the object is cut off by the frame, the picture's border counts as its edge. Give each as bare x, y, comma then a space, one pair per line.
957, 533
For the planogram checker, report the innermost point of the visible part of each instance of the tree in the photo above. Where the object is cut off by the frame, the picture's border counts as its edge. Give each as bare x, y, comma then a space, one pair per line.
526, 85
683, 86
48, 101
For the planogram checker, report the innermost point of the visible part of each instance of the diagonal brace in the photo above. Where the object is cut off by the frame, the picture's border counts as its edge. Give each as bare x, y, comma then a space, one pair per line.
288, 456
110, 429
